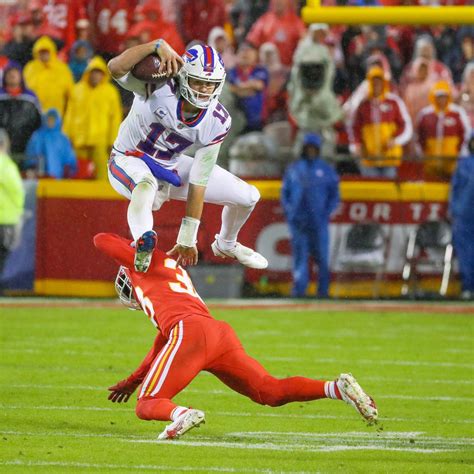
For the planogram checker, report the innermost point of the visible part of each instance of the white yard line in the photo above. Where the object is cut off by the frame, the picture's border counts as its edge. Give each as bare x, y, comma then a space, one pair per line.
136, 467
289, 447
285, 441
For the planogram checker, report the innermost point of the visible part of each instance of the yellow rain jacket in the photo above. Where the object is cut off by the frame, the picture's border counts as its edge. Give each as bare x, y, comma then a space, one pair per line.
52, 81
93, 117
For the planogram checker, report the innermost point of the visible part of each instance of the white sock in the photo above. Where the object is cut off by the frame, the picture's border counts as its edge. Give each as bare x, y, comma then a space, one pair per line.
330, 390
177, 412
233, 218
139, 214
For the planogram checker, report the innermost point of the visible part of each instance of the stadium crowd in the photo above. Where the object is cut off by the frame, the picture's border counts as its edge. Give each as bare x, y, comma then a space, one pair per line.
377, 95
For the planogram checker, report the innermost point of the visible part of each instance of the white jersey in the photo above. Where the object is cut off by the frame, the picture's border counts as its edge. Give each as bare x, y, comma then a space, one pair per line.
156, 124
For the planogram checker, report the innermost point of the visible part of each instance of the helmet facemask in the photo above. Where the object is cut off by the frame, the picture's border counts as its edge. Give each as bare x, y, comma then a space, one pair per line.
124, 289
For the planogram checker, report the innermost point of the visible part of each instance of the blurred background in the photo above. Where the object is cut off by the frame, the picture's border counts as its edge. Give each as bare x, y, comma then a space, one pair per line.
359, 139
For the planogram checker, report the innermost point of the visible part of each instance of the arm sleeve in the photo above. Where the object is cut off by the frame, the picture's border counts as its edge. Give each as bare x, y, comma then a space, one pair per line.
70, 157
14, 185
139, 374
115, 247
287, 191
203, 164
132, 84
467, 132
457, 185
333, 197
405, 125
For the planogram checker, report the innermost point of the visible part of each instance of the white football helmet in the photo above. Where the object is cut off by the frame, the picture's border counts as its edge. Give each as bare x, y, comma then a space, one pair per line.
124, 289
204, 63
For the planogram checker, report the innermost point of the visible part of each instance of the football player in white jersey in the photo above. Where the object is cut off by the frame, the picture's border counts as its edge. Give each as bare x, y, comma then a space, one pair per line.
148, 153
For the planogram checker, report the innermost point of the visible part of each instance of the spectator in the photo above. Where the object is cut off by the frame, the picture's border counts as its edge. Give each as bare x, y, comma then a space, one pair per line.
466, 96
312, 102
219, 40
443, 131
462, 214
151, 25
362, 91
110, 21
196, 18
437, 71
380, 129
49, 152
463, 53
80, 55
248, 82
19, 110
416, 92
276, 98
372, 39
310, 194
93, 116
48, 77
281, 26
20, 46
12, 200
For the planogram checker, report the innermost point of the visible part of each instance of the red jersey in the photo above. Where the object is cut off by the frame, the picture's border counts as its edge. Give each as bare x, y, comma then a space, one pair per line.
165, 292
111, 20
443, 133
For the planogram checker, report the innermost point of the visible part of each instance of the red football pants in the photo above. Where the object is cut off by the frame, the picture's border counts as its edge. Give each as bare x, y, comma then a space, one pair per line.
197, 343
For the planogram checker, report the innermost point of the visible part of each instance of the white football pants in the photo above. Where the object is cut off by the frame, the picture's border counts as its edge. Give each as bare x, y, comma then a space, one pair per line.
132, 178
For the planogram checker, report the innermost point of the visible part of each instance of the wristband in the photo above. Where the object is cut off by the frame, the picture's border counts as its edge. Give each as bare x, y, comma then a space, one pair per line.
187, 236
158, 44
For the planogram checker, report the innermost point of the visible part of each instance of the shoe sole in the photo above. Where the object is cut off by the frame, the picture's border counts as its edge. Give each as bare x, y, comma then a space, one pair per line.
142, 261
353, 394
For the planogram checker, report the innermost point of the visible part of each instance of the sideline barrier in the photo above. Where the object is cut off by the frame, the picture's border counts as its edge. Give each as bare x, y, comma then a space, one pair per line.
70, 213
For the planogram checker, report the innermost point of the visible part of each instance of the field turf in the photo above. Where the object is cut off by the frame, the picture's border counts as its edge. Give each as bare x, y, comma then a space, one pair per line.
56, 363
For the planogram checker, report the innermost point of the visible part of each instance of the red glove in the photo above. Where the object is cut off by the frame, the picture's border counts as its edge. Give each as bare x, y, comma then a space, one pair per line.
122, 390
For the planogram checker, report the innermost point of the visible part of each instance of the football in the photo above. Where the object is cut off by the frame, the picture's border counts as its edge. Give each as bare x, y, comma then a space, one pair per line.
147, 70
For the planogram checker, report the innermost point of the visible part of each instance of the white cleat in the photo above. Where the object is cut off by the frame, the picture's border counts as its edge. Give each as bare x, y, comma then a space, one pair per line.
245, 255
188, 420
353, 394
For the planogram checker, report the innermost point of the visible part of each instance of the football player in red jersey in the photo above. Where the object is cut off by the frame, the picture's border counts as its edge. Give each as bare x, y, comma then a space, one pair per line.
191, 340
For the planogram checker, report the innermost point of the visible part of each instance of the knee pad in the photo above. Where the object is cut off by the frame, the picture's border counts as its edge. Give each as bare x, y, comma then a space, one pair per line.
254, 196
144, 192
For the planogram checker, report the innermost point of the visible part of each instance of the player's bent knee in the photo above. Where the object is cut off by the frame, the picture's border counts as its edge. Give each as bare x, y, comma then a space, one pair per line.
272, 392
251, 198
254, 195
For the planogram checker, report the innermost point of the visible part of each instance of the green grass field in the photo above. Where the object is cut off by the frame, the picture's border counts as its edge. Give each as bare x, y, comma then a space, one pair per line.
57, 362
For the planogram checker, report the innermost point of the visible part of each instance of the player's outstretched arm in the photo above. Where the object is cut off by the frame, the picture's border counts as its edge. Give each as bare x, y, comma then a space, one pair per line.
121, 391
171, 61
115, 247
